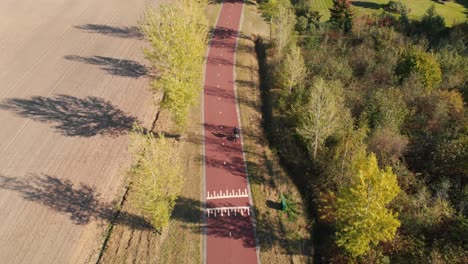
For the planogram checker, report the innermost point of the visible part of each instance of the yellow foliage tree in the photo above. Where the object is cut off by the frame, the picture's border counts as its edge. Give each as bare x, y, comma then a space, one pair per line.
157, 176
363, 219
177, 33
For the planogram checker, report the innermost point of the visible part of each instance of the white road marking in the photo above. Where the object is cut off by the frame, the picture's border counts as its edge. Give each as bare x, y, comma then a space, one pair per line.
227, 194
228, 210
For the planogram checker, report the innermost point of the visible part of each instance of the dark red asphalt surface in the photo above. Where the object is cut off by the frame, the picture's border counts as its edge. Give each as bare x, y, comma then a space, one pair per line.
229, 238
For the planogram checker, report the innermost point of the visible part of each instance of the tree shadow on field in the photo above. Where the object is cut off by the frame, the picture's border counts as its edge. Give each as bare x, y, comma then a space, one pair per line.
121, 32
369, 5
74, 116
118, 67
81, 203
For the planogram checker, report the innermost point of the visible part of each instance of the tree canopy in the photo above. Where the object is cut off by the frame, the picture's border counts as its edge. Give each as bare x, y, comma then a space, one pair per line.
363, 217
177, 33
156, 177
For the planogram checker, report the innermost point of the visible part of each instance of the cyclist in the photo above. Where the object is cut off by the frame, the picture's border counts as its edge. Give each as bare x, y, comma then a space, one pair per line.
236, 133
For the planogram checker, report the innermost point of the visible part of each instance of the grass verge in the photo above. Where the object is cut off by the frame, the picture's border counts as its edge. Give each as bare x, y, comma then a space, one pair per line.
180, 241
323, 7
281, 240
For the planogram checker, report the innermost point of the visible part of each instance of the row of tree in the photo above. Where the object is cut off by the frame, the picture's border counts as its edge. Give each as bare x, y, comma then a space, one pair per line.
177, 33
378, 105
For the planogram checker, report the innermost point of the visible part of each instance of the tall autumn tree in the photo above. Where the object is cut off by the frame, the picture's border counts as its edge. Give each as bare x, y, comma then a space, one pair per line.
283, 22
292, 70
350, 145
341, 15
363, 219
321, 115
177, 33
156, 177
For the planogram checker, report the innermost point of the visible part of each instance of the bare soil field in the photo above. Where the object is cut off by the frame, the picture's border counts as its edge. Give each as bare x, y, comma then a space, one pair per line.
72, 82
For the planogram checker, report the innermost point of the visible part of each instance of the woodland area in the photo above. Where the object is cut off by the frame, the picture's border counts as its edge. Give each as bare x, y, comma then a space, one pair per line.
370, 112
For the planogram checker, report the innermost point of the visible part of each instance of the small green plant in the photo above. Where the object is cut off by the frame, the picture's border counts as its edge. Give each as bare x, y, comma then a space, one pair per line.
289, 207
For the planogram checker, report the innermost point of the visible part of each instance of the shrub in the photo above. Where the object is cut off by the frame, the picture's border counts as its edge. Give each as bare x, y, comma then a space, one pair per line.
388, 145
291, 209
396, 7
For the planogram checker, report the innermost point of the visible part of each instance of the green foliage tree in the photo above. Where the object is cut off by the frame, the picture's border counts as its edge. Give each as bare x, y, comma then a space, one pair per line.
269, 8
307, 18
454, 65
386, 108
451, 155
341, 15
421, 112
420, 62
363, 219
439, 129
156, 177
448, 129
177, 33
432, 24
321, 115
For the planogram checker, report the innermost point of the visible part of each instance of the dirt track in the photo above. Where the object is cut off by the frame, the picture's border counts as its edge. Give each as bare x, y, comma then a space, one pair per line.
72, 82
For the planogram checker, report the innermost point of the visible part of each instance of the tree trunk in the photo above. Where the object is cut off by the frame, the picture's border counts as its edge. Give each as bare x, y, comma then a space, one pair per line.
315, 145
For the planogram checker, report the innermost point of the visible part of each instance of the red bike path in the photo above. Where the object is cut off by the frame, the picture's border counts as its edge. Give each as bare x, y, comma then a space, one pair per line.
229, 231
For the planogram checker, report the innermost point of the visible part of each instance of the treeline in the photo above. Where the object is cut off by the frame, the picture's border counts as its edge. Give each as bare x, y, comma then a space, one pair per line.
177, 33
372, 109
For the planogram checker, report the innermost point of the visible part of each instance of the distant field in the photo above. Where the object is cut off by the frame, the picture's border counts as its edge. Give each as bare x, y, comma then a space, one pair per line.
456, 10
322, 6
